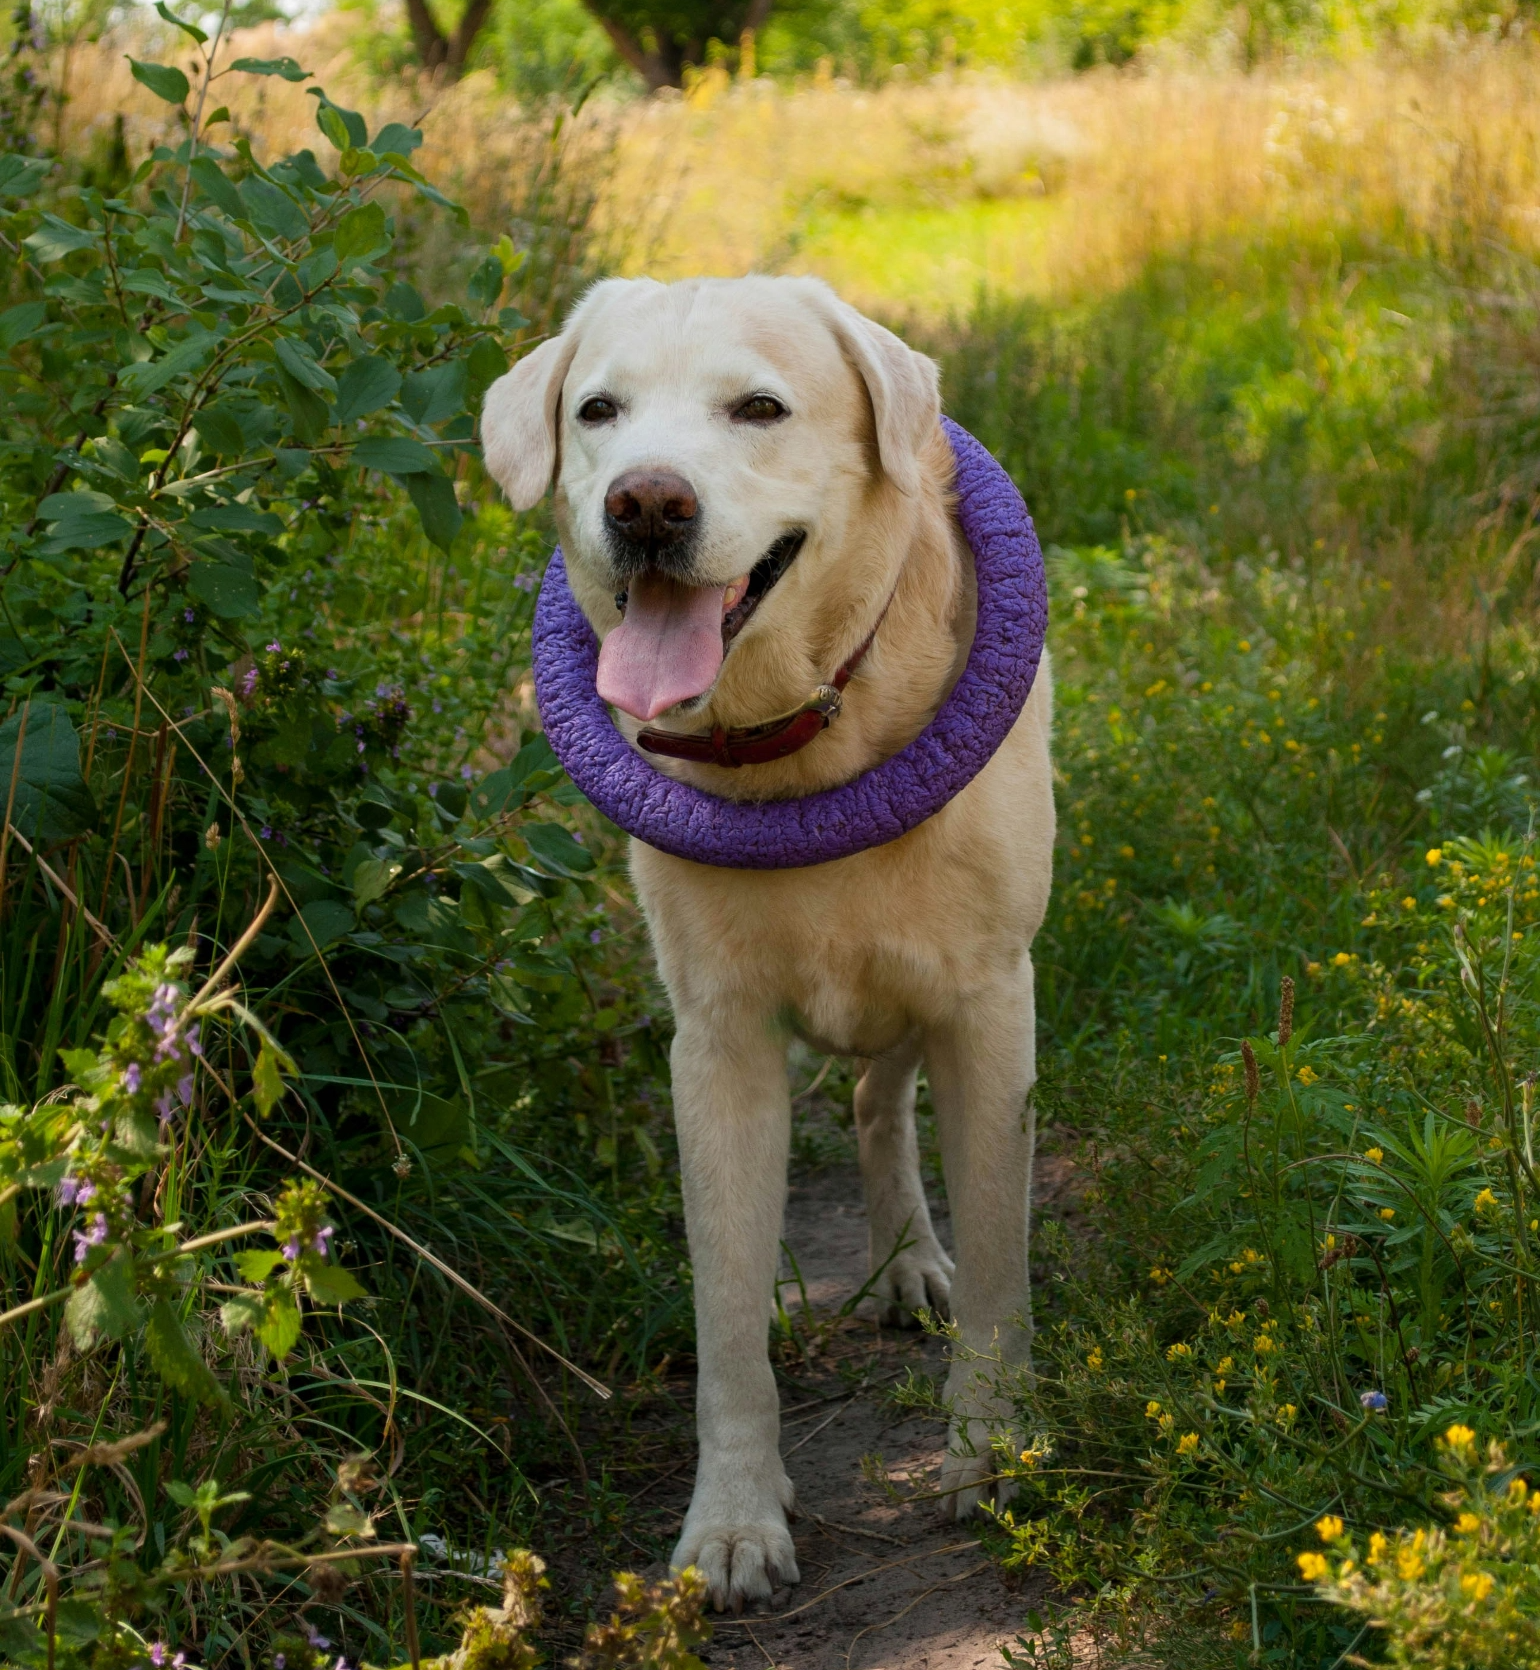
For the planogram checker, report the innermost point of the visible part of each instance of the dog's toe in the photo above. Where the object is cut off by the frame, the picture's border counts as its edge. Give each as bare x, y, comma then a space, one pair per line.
742, 1564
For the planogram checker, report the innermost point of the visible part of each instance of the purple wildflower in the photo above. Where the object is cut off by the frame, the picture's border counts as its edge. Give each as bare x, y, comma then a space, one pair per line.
322, 1236
184, 1089
132, 1075
92, 1237
189, 615
248, 682
179, 655
291, 1248
594, 936
316, 1639
1375, 1402
525, 582
280, 1662
466, 773
275, 648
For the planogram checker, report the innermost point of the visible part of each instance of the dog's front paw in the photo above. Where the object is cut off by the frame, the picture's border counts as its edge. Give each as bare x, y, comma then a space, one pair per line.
737, 1538
919, 1278
969, 1474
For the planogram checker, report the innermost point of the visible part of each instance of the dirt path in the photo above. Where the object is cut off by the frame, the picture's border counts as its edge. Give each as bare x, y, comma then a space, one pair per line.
886, 1585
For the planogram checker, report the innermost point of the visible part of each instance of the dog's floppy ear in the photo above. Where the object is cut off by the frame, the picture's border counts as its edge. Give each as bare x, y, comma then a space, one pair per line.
904, 387
518, 421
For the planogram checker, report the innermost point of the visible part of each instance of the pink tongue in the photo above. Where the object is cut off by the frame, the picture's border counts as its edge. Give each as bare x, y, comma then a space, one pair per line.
666, 650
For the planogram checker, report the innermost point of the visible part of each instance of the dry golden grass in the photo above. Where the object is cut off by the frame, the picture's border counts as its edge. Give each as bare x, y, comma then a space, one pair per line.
912, 199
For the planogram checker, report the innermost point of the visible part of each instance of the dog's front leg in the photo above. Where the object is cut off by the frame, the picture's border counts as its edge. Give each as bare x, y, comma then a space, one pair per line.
982, 1064
733, 1115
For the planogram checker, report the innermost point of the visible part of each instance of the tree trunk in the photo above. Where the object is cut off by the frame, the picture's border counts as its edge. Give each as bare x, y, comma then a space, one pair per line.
435, 49
662, 68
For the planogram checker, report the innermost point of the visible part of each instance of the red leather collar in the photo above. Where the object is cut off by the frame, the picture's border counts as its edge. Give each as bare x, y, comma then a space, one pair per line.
772, 739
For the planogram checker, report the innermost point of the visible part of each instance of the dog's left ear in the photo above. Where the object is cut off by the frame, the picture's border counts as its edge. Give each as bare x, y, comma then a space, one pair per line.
518, 421
904, 387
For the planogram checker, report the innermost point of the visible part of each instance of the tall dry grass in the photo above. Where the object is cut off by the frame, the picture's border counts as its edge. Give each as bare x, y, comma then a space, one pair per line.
918, 196
913, 199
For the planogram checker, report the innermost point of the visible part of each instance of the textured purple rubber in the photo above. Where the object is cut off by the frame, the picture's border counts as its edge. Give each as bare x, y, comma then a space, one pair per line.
874, 808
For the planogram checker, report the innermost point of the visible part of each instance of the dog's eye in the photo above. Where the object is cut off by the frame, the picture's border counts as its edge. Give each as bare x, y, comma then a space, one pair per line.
596, 409
760, 408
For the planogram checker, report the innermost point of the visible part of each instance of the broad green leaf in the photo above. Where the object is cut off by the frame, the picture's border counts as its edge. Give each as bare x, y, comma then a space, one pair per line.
21, 176
244, 1311
309, 414
258, 1263
395, 454
486, 283
18, 323
227, 591
554, 849
52, 801
237, 518
486, 364
181, 23
149, 376
360, 233
397, 137
365, 386
285, 67
267, 1091
295, 357
165, 81
85, 533
329, 1284
403, 302
56, 238
372, 878
217, 186
431, 396
437, 507
105, 1305
321, 923
271, 210
219, 432
278, 1327
345, 128
176, 1357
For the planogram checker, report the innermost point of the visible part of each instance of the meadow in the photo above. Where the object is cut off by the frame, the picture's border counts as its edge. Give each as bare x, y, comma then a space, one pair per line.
1261, 351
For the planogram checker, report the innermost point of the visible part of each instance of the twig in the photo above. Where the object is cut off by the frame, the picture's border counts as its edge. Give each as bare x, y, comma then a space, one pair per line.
102, 933
445, 1270
945, 1582
859, 1577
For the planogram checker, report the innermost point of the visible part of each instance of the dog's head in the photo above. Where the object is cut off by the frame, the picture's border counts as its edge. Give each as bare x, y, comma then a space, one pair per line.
711, 443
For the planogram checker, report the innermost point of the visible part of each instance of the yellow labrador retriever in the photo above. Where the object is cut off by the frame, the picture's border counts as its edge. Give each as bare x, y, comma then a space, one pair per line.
747, 474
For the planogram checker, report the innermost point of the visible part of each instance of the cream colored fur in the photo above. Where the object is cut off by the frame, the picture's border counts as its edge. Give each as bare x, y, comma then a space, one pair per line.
917, 952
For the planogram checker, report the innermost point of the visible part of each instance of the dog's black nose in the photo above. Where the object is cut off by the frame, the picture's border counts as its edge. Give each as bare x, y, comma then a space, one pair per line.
651, 507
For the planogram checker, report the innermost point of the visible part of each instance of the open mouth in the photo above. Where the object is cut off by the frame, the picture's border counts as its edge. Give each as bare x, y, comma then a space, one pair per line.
668, 648
762, 576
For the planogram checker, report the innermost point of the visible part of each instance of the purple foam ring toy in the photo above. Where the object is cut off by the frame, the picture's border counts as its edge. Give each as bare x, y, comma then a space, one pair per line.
880, 804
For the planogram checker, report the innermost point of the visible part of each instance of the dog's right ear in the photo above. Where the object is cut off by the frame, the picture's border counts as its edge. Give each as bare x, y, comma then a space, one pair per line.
518, 421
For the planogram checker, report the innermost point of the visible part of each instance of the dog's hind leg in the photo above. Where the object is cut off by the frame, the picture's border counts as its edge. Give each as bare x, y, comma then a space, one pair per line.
732, 1110
982, 1063
913, 1271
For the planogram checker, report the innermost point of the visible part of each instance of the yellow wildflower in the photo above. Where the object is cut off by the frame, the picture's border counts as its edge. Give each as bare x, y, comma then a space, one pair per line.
1262, 1344
1485, 1200
1151, 1409
1468, 1522
1312, 969
1374, 1155
1329, 1527
1286, 1415
1387, 1213
1408, 903
1094, 1360
1187, 1443
1225, 1365
1376, 1547
1307, 1074
1409, 1565
1435, 856
1180, 1349
1517, 1491
1459, 1437
1313, 1566
1342, 959
1445, 902
1166, 1422
1477, 1584
1160, 1275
